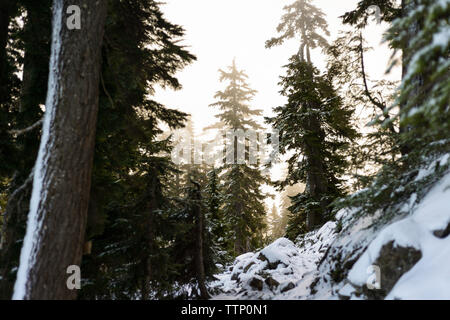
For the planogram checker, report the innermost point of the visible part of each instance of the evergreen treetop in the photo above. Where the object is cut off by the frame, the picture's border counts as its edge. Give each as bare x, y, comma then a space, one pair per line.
233, 101
304, 20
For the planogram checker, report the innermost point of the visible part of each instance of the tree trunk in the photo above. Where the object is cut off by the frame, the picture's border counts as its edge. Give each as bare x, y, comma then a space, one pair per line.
308, 54
199, 229
316, 180
37, 34
301, 52
60, 197
149, 234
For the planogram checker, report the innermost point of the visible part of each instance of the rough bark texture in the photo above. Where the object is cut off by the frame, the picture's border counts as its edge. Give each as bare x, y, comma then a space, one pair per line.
67, 154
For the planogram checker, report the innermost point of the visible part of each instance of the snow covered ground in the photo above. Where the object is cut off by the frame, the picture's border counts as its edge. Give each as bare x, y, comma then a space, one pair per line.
281, 270
408, 258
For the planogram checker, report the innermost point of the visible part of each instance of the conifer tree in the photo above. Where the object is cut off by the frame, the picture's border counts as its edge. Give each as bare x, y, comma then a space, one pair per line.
242, 196
193, 248
314, 124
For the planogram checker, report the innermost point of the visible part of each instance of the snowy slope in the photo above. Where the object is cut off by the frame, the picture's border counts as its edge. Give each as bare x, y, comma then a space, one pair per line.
412, 253
282, 270
426, 230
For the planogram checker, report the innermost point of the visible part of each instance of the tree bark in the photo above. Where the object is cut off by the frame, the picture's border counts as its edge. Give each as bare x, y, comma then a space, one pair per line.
62, 178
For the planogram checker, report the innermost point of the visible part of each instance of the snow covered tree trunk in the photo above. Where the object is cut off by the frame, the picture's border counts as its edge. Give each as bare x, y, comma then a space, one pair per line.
59, 202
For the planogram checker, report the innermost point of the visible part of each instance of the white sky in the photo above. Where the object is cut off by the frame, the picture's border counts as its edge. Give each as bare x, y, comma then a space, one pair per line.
218, 31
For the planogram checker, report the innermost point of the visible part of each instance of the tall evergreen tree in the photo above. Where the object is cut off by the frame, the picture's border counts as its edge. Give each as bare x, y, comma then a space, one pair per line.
195, 249
192, 248
314, 124
243, 199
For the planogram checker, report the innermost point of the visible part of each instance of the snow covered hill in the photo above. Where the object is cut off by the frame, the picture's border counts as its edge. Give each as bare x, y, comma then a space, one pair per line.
354, 258
281, 270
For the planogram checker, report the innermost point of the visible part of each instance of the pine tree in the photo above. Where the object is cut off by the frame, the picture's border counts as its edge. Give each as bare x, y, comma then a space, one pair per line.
424, 93
389, 10
243, 206
192, 248
314, 124
200, 224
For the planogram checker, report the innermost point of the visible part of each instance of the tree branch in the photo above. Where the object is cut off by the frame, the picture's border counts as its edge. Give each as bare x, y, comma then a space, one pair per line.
374, 101
28, 129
